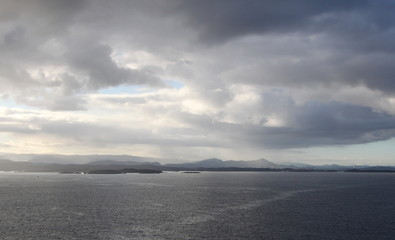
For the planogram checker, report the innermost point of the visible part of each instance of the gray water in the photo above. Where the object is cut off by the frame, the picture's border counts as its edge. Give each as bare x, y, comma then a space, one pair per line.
209, 205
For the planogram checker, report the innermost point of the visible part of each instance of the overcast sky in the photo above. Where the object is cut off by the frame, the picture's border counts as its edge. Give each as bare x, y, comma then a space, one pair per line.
303, 80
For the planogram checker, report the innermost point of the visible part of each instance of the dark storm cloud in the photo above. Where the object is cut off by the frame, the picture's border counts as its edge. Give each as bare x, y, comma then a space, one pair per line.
376, 71
225, 19
313, 124
358, 34
340, 123
82, 32
320, 124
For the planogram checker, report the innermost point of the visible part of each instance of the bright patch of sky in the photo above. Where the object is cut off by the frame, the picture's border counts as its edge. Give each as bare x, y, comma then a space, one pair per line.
9, 103
124, 90
136, 89
175, 84
382, 153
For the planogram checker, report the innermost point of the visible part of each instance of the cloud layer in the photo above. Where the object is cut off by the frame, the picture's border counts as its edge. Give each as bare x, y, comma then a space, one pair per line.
177, 78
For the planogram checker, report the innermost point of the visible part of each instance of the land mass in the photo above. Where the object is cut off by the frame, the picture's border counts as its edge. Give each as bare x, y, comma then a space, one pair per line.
123, 164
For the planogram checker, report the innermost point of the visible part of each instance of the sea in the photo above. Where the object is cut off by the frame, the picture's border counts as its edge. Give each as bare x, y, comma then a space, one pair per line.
206, 205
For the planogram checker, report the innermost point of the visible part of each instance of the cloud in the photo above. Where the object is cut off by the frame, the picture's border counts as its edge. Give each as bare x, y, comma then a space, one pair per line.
250, 74
284, 124
223, 20
304, 42
46, 51
270, 120
101, 71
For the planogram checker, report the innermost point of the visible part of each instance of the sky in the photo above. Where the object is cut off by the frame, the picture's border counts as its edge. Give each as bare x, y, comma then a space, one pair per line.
290, 81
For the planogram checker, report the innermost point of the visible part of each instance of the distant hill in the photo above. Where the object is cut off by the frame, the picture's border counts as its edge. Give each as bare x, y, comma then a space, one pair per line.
373, 169
6, 161
218, 163
80, 159
114, 162
57, 163
53, 163
7, 165
322, 167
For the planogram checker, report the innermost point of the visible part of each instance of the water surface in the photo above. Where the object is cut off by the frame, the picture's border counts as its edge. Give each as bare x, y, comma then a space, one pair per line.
210, 205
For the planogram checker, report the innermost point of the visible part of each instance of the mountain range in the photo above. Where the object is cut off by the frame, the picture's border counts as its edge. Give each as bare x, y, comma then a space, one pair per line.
84, 163
218, 163
79, 159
